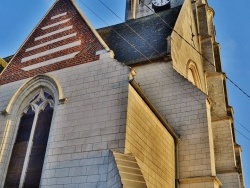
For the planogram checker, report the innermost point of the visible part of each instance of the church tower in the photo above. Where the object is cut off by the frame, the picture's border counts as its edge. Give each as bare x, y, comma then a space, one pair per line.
137, 8
140, 8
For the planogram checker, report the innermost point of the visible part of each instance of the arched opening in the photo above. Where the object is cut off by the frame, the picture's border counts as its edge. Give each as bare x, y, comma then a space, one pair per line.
19, 149
40, 81
27, 157
193, 75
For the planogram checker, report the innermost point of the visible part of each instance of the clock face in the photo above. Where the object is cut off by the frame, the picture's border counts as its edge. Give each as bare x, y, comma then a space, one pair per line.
159, 3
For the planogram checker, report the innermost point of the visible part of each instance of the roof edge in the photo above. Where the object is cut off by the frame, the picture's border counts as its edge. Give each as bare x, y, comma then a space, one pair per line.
82, 15
103, 43
30, 34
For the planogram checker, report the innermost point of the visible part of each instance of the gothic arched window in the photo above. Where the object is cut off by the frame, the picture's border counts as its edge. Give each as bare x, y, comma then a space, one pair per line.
26, 162
193, 74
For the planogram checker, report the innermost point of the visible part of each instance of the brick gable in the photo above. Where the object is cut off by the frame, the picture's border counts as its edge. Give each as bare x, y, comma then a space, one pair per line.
62, 39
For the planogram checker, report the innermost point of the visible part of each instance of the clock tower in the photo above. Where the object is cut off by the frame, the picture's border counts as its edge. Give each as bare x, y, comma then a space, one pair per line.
140, 8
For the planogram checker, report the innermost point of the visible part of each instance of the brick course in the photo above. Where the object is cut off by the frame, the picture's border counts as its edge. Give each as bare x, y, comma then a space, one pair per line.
88, 48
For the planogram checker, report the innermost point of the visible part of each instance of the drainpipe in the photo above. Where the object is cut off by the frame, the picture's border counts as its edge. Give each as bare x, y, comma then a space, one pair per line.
176, 142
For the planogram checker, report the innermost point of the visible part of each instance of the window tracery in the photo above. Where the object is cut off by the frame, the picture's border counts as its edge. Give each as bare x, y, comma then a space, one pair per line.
26, 162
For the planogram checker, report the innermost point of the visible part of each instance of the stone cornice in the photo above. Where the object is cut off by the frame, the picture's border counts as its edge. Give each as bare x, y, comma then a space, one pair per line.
224, 118
235, 170
216, 74
200, 180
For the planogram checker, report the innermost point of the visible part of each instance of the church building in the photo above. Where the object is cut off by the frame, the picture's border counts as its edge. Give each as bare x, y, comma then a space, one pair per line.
140, 104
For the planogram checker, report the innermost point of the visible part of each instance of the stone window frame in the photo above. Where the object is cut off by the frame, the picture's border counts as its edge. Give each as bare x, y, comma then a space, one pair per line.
15, 107
193, 74
37, 109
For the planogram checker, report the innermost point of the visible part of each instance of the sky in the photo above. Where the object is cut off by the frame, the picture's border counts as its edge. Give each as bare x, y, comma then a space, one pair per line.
19, 17
232, 32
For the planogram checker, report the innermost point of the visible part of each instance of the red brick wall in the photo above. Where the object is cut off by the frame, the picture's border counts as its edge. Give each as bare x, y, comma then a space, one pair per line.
89, 45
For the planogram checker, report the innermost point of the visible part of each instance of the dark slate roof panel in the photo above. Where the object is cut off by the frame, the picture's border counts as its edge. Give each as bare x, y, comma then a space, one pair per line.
1, 68
7, 59
148, 40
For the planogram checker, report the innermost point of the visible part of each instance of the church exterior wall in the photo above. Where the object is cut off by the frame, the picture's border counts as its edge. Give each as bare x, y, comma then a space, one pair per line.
84, 129
224, 145
181, 52
195, 25
201, 182
231, 180
184, 107
102, 120
150, 142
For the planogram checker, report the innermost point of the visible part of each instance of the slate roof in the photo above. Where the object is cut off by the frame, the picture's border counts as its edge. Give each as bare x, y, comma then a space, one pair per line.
152, 30
1, 68
152, 43
7, 59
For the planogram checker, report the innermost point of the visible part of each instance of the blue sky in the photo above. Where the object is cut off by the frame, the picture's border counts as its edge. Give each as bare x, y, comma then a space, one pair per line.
233, 28
19, 17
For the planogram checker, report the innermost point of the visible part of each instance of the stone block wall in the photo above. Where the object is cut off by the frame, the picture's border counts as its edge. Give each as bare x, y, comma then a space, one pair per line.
83, 130
224, 146
231, 180
184, 49
114, 179
150, 142
184, 107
